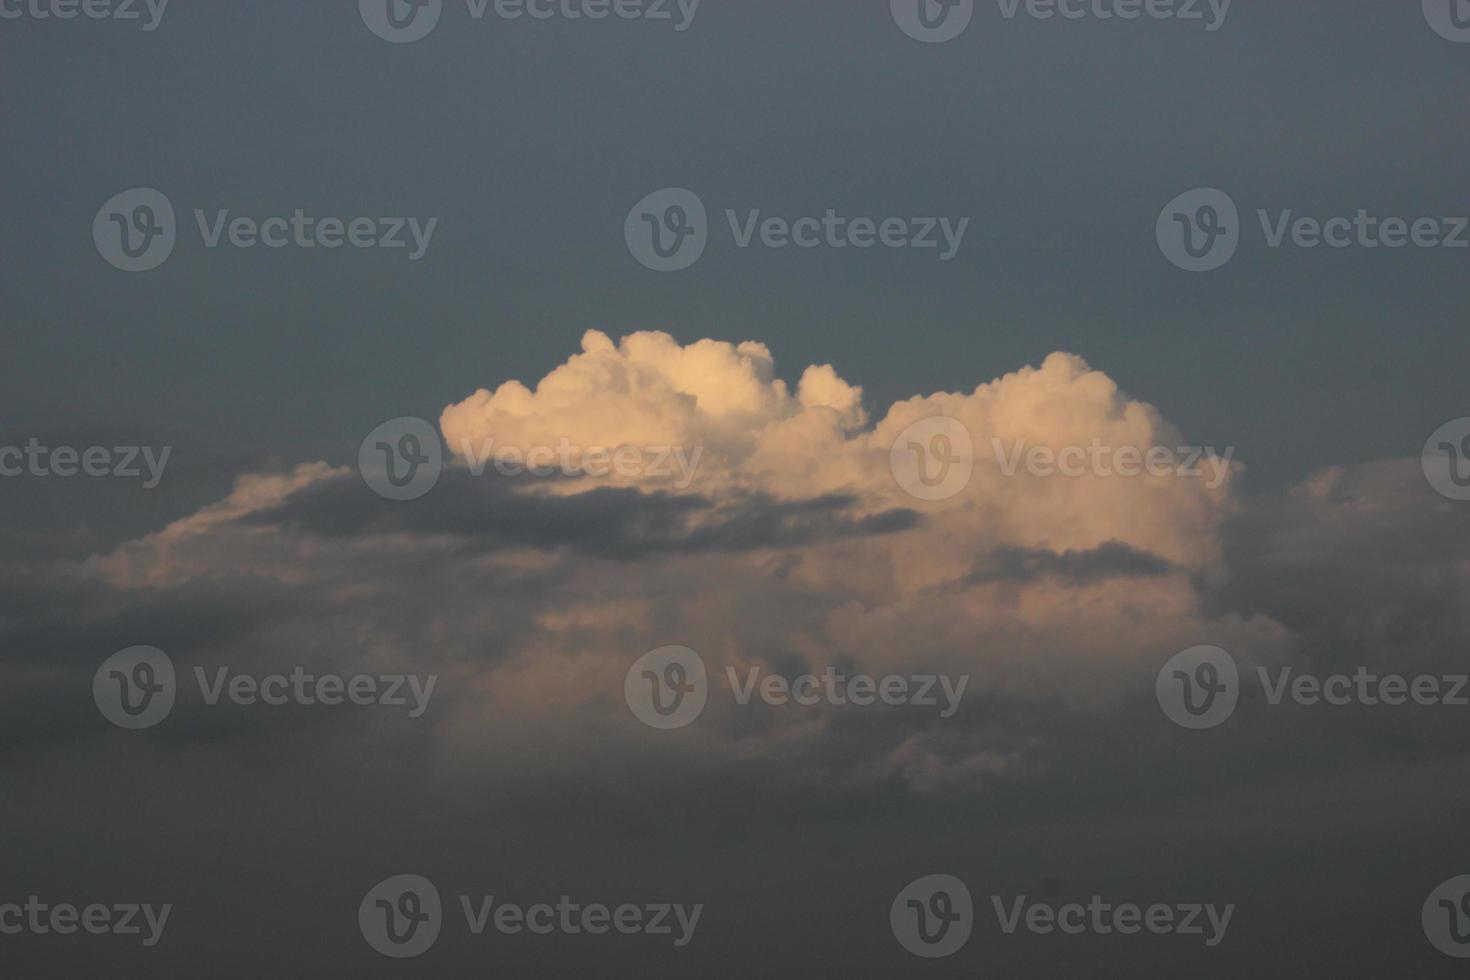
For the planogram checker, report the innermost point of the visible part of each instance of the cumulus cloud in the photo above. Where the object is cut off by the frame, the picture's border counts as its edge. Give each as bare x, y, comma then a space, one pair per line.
648, 390
795, 549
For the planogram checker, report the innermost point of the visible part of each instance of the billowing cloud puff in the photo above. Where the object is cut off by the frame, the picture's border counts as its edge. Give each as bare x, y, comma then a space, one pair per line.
753, 435
651, 392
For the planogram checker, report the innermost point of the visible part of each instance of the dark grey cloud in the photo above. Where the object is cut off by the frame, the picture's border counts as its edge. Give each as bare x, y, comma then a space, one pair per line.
1112, 559
609, 522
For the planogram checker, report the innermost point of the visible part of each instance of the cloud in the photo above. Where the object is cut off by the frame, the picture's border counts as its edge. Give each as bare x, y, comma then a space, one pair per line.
648, 390
794, 550
496, 513
1109, 560
1059, 597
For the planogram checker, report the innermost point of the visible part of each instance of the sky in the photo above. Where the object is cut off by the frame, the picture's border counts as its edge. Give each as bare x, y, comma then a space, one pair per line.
876, 319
